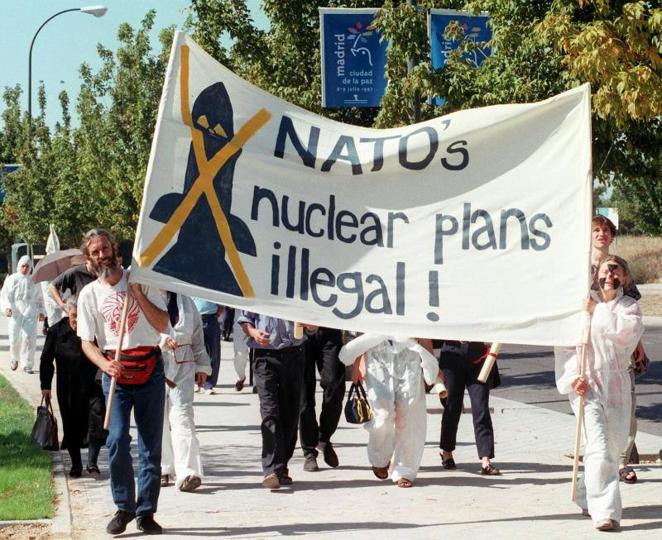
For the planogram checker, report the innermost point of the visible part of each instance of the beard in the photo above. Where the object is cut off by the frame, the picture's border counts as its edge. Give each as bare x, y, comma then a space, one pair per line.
108, 272
106, 268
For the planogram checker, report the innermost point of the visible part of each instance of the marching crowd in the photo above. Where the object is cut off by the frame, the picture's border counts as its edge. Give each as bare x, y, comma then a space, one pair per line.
170, 349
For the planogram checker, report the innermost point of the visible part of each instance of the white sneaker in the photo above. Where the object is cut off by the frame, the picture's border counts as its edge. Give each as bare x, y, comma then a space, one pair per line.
28, 370
209, 391
196, 388
13, 364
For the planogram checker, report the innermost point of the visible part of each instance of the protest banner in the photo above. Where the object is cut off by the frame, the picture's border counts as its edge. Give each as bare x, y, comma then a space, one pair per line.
471, 226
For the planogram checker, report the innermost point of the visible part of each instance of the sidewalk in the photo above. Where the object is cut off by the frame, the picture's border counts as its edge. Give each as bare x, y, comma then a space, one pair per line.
530, 500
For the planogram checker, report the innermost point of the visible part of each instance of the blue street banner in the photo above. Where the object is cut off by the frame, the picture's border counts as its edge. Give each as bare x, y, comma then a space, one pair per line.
476, 29
353, 58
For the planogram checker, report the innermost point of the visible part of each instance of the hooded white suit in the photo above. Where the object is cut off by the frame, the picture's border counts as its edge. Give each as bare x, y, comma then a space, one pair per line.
395, 369
23, 297
181, 449
616, 328
241, 351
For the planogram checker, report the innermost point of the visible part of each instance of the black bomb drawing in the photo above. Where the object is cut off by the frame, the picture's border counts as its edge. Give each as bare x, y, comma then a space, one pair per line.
199, 246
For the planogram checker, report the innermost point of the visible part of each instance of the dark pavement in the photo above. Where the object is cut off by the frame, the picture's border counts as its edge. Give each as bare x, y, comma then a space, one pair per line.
527, 375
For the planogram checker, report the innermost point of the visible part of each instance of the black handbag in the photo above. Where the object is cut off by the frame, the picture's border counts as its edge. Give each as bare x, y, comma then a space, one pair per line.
44, 431
357, 408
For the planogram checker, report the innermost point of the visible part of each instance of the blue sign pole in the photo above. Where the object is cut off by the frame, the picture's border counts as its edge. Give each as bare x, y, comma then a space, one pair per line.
353, 58
476, 28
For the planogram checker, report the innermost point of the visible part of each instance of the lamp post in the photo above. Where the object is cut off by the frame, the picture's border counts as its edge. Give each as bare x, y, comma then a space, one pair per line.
97, 11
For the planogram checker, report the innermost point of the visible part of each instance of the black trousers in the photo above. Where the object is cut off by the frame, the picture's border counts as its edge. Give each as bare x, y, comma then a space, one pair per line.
322, 353
461, 373
278, 376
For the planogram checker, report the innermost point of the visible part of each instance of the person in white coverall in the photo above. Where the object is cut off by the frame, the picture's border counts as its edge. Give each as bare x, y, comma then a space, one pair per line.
22, 302
615, 330
186, 363
395, 371
241, 355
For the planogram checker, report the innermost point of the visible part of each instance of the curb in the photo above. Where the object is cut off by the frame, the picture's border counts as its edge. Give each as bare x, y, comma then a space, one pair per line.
61, 524
652, 320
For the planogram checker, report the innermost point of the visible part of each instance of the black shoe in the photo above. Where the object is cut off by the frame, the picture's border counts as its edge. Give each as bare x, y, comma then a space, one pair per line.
310, 463
118, 524
93, 470
147, 525
284, 478
76, 471
330, 456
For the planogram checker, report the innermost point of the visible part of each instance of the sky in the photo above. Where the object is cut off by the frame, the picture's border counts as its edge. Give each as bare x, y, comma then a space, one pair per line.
71, 39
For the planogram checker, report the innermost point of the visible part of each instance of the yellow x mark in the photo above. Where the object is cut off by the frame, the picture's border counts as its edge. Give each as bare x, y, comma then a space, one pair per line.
204, 184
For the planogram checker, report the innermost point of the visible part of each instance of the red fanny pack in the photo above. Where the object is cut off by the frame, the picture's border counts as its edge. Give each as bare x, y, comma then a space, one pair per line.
137, 364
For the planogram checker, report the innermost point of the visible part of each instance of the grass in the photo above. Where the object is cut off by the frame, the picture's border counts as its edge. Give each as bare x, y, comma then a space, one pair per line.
644, 255
26, 486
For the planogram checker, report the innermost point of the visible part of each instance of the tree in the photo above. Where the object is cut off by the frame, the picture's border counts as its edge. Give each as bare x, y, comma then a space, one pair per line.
616, 47
92, 175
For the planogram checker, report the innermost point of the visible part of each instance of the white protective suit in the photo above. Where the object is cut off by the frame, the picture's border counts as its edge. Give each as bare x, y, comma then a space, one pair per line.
395, 369
616, 328
23, 297
241, 351
181, 449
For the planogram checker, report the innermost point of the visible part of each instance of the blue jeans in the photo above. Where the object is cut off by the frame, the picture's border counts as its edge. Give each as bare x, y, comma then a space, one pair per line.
212, 333
148, 402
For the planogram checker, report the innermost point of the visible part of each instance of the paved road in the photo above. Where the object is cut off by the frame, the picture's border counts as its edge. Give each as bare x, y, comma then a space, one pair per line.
527, 375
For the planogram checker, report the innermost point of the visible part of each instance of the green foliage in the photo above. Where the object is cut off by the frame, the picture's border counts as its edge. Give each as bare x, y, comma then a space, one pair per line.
26, 489
93, 175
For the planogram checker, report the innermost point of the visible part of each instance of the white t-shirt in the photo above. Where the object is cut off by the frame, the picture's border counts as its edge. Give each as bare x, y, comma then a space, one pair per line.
100, 312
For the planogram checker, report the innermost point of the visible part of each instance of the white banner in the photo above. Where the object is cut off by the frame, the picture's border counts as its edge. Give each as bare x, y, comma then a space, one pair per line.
472, 226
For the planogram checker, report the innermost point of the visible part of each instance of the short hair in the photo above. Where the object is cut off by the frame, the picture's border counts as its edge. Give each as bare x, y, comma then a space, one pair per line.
94, 233
72, 303
620, 261
604, 221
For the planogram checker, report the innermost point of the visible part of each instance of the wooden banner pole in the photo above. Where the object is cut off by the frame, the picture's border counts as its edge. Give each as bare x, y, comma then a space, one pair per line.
489, 362
118, 352
578, 430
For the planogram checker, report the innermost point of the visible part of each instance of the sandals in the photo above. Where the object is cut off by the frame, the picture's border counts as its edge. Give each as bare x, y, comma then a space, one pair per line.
165, 480
381, 472
405, 483
627, 475
489, 470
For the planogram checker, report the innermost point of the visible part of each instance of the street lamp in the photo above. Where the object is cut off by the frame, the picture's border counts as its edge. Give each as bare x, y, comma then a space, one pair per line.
97, 11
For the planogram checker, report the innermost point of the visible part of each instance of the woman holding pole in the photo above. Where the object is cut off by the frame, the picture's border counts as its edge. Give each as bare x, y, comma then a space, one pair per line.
615, 329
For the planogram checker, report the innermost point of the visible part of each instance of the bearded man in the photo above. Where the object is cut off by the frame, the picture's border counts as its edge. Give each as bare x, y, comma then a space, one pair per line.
139, 375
